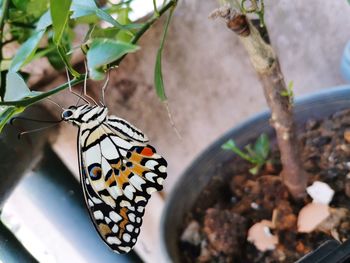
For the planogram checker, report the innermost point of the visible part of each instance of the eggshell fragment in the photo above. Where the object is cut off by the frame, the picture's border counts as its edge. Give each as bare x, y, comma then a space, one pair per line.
320, 192
259, 234
311, 215
191, 233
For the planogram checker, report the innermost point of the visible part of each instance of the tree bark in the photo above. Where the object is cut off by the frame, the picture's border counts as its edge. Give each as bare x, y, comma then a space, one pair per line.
266, 64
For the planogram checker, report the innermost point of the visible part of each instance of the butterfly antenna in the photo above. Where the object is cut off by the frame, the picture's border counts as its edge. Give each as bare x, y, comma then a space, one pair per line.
35, 130
72, 91
85, 80
172, 120
105, 85
81, 94
34, 120
54, 102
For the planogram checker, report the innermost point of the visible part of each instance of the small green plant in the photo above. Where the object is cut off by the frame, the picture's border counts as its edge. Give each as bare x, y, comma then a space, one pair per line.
289, 92
256, 155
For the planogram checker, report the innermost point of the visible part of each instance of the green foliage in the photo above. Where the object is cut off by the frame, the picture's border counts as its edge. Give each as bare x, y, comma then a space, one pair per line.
289, 92
45, 28
16, 89
26, 51
104, 51
257, 154
59, 11
158, 74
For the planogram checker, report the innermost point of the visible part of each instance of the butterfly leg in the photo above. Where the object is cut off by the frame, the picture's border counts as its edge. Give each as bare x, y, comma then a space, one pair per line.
104, 89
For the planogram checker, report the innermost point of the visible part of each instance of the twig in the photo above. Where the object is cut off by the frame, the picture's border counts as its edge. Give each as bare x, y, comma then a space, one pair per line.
266, 64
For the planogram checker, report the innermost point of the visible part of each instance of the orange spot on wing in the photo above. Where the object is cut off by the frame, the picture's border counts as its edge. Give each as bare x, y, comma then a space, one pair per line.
122, 224
104, 229
122, 178
147, 151
137, 169
135, 158
110, 180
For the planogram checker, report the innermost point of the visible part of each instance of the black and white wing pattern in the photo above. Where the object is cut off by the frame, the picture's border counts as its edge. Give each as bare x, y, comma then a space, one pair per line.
119, 171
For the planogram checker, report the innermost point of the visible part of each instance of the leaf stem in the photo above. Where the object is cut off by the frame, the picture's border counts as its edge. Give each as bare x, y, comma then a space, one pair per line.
158, 74
155, 8
31, 100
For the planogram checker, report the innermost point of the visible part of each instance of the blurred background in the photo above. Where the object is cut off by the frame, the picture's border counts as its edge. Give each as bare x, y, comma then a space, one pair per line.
211, 87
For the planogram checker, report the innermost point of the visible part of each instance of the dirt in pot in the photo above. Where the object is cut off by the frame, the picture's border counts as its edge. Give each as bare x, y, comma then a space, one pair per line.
242, 204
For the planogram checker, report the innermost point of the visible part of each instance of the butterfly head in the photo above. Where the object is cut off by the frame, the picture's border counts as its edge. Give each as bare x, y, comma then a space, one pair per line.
84, 114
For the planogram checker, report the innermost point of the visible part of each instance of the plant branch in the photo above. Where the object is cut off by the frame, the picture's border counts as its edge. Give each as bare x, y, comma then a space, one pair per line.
266, 65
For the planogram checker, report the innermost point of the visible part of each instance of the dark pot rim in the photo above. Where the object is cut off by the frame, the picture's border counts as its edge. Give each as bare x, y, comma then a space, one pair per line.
335, 98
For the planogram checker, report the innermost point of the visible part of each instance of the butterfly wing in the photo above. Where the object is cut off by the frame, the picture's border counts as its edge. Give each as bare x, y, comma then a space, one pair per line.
118, 176
124, 128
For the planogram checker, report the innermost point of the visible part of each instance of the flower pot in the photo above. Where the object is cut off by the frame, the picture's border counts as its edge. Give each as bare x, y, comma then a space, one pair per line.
196, 177
330, 251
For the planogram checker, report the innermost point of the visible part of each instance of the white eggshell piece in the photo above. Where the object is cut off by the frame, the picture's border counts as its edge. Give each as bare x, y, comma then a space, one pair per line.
320, 192
260, 235
311, 215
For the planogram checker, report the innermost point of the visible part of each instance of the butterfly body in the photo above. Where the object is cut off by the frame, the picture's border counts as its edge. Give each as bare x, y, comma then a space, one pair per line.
118, 173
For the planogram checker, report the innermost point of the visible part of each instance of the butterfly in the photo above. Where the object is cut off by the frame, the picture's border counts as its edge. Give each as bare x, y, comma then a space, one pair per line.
118, 173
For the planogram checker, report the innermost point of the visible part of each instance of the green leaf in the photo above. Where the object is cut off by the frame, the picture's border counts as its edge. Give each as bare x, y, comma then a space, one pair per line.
256, 156
42, 52
158, 77
32, 8
158, 73
44, 21
109, 32
252, 154
83, 8
16, 88
103, 52
60, 15
65, 58
57, 56
6, 113
36, 7
26, 52
5, 64
123, 19
262, 147
89, 7
55, 59
229, 145
255, 169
